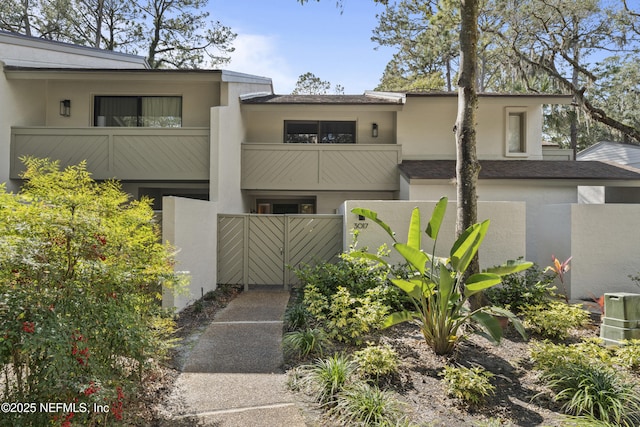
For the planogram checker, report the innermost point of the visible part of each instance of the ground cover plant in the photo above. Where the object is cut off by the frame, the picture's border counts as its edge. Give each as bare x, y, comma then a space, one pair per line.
81, 274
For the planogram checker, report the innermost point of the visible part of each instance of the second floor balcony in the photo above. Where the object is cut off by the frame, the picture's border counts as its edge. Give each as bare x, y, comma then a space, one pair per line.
331, 167
123, 153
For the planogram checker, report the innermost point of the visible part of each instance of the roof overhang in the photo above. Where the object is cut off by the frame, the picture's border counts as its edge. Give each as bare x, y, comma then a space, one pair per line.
130, 74
588, 172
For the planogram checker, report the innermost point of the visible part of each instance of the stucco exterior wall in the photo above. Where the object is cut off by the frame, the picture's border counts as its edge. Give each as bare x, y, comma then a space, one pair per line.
197, 98
267, 126
425, 127
535, 194
191, 226
605, 248
505, 239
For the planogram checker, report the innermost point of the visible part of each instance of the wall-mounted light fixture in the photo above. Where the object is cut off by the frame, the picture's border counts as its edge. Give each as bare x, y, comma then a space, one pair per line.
374, 130
65, 107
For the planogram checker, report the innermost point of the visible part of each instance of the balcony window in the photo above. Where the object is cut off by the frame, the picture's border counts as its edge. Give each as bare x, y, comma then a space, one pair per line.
323, 132
138, 111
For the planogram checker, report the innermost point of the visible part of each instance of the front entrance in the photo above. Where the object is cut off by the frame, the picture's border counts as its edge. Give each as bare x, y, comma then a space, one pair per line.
258, 249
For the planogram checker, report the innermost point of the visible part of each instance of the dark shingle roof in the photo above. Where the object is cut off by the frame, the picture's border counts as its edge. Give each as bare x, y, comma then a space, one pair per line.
321, 99
521, 169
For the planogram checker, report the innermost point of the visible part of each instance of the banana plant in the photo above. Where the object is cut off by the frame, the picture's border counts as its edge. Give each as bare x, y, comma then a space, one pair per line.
436, 285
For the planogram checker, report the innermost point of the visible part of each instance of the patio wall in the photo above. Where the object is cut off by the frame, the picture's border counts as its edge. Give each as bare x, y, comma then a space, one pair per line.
506, 238
191, 227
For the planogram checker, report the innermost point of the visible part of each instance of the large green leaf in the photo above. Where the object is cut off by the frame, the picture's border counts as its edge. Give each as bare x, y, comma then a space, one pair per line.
480, 281
373, 216
398, 317
515, 321
467, 245
415, 257
433, 228
369, 256
415, 234
415, 288
446, 287
512, 266
489, 324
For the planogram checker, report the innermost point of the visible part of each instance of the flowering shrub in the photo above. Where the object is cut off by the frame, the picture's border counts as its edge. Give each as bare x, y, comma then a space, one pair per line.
81, 271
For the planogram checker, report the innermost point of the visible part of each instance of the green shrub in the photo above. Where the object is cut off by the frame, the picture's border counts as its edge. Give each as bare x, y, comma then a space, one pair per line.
628, 355
81, 274
305, 342
471, 385
597, 391
346, 318
532, 287
549, 357
325, 378
375, 361
555, 319
585, 380
361, 404
355, 274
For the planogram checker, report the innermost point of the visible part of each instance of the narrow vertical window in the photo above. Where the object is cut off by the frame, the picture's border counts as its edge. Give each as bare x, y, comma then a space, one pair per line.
516, 132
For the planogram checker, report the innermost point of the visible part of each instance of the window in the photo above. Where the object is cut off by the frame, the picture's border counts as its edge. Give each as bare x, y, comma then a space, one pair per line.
138, 111
324, 132
286, 206
516, 132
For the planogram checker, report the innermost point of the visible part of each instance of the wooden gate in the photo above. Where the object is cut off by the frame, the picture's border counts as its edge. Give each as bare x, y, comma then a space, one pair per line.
258, 249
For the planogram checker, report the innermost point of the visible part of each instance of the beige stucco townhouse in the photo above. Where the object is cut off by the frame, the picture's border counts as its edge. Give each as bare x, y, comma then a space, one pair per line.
211, 144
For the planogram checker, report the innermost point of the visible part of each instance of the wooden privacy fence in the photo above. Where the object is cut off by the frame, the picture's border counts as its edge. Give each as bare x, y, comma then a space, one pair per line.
258, 249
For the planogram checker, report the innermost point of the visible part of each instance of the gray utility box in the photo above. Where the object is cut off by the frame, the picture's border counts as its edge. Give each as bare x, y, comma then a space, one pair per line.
621, 319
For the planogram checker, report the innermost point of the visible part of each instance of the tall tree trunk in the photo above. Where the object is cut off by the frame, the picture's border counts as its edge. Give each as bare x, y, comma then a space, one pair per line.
467, 165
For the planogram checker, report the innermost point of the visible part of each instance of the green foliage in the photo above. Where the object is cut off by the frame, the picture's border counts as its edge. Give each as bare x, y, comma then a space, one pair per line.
375, 361
471, 385
305, 342
296, 317
586, 381
597, 391
344, 317
555, 319
436, 287
81, 273
549, 357
361, 404
628, 355
528, 288
325, 378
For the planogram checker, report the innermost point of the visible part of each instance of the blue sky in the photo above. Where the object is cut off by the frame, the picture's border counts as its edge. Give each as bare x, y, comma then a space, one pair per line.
282, 39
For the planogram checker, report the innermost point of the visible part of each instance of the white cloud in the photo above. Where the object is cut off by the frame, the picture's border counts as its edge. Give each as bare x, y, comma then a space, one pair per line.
259, 55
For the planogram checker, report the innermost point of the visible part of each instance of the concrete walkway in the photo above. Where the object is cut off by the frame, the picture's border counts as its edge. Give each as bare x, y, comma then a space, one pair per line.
233, 376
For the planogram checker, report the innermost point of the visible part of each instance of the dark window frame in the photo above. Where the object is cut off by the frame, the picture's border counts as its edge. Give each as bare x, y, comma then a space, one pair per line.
139, 107
319, 129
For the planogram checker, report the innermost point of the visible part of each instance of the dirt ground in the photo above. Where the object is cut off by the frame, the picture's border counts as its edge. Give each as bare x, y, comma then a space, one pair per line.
519, 400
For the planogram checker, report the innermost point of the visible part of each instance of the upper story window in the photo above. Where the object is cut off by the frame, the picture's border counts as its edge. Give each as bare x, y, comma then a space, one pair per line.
516, 132
314, 132
138, 111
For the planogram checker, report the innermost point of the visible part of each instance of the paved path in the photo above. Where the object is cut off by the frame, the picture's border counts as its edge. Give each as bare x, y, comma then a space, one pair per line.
233, 376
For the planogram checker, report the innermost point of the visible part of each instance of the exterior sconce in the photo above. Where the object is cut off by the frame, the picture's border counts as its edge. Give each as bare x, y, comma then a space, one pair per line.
374, 130
65, 107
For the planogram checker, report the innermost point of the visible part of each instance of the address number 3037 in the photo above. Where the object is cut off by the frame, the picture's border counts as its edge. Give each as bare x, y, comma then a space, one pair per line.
360, 225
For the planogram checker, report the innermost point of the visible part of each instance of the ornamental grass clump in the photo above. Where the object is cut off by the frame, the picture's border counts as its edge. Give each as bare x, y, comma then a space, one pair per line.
81, 275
